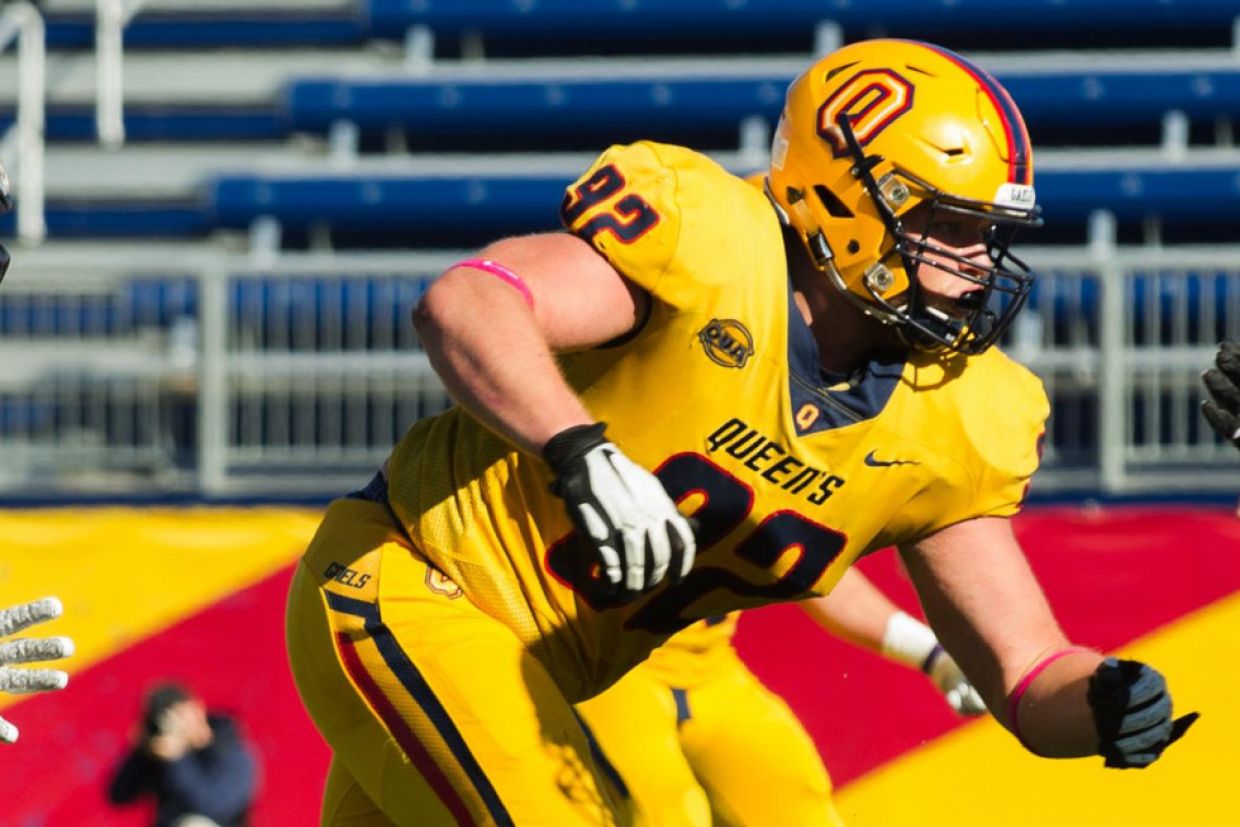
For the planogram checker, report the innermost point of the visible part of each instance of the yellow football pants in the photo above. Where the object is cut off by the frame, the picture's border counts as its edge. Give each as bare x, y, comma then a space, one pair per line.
727, 752
435, 713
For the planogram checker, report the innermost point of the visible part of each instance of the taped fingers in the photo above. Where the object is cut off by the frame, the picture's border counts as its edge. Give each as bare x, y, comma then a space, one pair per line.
30, 650
28, 614
19, 681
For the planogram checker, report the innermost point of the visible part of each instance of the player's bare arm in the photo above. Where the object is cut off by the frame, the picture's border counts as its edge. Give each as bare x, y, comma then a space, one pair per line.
857, 611
1062, 701
491, 327
493, 343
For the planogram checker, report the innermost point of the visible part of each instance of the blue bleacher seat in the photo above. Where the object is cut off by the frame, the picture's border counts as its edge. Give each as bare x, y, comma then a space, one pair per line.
1155, 302
630, 19
498, 114
124, 219
224, 28
665, 106
267, 307
669, 105
421, 207
424, 206
531, 107
167, 122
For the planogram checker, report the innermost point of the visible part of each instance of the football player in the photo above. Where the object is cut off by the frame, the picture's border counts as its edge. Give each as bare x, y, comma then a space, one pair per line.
807, 375
698, 740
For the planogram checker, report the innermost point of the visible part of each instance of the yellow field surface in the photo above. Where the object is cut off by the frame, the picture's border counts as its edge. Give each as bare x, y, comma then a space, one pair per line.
979, 776
124, 574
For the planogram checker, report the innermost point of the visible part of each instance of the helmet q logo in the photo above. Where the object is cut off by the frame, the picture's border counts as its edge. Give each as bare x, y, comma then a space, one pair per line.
726, 342
872, 99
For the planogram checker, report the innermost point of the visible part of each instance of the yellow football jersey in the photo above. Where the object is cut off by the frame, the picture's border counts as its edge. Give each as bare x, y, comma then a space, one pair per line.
791, 474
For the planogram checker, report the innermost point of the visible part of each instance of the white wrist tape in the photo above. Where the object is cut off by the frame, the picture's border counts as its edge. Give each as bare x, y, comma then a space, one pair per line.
909, 641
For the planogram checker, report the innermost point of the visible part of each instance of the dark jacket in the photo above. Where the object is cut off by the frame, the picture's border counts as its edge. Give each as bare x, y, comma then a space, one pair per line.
217, 781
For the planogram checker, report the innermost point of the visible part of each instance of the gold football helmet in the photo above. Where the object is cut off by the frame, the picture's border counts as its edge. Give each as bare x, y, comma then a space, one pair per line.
876, 129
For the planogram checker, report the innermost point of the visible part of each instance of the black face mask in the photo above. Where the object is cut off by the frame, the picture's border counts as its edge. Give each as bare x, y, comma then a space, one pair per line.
982, 315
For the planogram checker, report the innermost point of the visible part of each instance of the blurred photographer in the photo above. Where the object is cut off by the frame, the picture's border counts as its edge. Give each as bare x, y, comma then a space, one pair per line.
195, 764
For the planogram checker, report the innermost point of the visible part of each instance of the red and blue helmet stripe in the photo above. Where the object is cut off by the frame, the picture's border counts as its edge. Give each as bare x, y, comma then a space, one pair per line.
1020, 167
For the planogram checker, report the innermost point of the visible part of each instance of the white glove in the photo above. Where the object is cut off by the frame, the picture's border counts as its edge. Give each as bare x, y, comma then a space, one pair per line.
622, 509
912, 643
946, 675
30, 650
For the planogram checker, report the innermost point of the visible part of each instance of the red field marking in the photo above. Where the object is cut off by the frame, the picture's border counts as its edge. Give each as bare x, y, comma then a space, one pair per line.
1112, 575
233, 655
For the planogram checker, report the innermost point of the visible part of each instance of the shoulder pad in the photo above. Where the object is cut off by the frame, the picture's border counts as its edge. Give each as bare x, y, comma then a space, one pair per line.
665, 217
1003, 416
985, 416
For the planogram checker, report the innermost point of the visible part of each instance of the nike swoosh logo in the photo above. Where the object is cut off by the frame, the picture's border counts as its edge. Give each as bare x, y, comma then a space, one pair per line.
882, 463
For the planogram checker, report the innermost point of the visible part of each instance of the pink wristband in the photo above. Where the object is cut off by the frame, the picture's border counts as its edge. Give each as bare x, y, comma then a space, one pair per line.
1019, 692
501, 272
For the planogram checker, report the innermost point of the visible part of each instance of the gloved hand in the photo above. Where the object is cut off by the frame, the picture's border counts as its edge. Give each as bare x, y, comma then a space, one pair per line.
1223, 383
29, 650
1132, 712
909, 641
943, 671
621, 509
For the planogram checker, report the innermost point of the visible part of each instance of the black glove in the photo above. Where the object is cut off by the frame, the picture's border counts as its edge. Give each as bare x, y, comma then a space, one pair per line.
1132, 711
621, 509
1223, 383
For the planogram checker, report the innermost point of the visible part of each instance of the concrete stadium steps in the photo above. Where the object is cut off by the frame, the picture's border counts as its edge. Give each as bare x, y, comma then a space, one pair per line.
230, 77
151, 171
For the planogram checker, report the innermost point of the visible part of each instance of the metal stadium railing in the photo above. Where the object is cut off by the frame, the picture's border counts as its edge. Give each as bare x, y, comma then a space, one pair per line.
156, 369
21, 23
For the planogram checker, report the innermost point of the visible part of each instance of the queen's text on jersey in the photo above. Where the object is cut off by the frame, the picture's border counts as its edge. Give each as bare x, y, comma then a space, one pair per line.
772, 462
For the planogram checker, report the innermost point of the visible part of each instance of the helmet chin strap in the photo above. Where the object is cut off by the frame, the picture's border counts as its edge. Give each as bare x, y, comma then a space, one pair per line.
929, 328
932, 329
